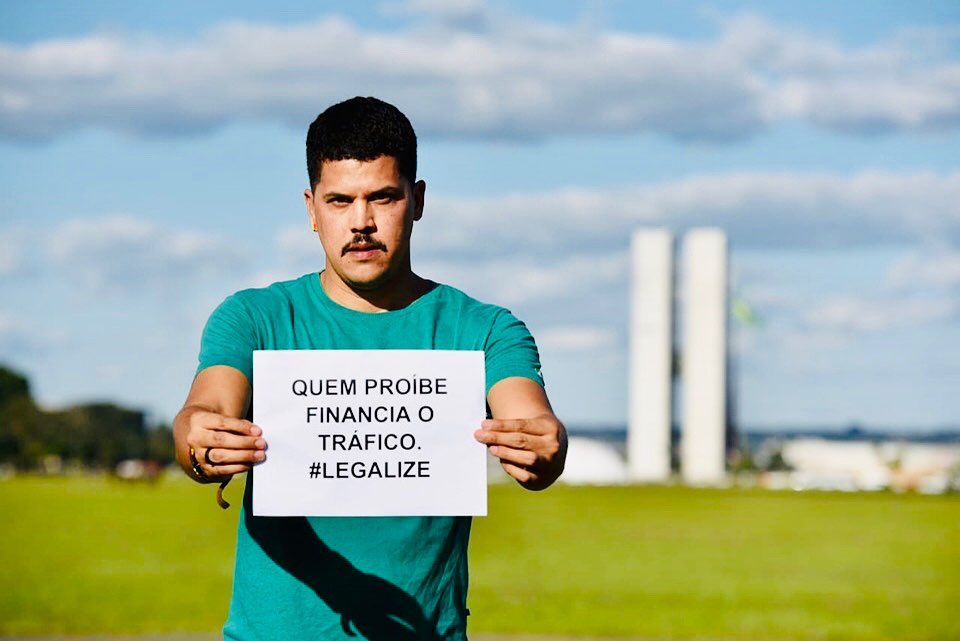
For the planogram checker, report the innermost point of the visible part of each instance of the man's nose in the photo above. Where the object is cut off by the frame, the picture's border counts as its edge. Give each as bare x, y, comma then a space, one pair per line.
362, 217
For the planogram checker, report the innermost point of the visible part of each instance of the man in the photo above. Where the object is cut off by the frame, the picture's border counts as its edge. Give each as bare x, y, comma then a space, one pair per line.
384, 578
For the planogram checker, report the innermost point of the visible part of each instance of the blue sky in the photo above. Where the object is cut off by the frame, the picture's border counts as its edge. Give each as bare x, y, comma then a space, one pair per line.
151, 158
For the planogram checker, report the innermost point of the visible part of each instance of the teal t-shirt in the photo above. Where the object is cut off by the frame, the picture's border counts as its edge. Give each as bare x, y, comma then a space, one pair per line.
367, 577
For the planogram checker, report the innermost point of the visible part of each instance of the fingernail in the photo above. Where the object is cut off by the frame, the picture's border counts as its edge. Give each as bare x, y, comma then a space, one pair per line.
486, 423
261, 444
256, 431
259, 455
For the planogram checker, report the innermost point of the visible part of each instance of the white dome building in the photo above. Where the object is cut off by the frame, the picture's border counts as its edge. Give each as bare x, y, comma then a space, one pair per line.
592, 461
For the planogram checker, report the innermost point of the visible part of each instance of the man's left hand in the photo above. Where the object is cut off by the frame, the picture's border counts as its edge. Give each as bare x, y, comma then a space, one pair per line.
531, 450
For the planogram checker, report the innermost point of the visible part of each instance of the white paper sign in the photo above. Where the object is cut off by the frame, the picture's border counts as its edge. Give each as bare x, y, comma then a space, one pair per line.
370, 433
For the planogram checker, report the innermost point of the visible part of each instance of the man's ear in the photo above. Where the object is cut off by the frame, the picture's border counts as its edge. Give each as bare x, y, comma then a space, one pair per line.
308, 201
419, 189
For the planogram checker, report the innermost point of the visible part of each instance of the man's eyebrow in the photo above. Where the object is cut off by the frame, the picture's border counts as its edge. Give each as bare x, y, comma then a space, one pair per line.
390, 192
330, 196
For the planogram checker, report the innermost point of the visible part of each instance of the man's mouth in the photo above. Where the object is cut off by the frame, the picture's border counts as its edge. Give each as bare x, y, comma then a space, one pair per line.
361, 243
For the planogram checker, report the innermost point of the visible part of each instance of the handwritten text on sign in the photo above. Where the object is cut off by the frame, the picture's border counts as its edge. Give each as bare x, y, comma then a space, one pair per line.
369, 433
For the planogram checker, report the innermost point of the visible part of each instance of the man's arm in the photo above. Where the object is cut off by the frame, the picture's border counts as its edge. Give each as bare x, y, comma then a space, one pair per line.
210, 423
524, 434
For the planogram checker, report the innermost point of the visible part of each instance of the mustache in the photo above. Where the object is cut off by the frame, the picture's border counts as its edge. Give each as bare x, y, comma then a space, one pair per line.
362, 240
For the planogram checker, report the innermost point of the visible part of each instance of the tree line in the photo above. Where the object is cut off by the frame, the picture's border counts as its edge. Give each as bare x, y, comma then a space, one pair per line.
92, 435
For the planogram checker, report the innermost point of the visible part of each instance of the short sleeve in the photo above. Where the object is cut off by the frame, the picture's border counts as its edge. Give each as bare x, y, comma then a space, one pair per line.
229, 338
511, 351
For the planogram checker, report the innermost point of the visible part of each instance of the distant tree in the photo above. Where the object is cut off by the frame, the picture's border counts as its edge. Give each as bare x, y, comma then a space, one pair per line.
160, 444
104, 433
12, 385
20, 440
778, 463
769, 456
741, 460
95, 434
21, 432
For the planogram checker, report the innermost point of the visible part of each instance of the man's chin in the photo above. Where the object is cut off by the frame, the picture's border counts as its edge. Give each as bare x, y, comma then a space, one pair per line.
367, 276
366, 286
367, 282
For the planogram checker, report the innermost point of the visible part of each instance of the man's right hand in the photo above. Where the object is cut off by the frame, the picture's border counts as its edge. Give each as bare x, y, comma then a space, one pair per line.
222, 446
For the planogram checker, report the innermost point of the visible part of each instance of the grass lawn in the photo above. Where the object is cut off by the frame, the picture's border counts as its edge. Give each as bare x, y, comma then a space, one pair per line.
90, 555
719, 564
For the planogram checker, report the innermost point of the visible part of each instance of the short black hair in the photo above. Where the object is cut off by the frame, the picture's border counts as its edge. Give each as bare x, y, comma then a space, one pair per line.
361, 129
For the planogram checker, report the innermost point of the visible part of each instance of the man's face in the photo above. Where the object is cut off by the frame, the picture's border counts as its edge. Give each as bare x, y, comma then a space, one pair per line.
364, 213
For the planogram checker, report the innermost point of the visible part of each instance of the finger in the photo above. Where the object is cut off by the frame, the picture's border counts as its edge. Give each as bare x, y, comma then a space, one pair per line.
511, 455
516, 440
527, 425
518, 472
221, 472
206, 472
239, 426
228, 440
218, 457
218, 422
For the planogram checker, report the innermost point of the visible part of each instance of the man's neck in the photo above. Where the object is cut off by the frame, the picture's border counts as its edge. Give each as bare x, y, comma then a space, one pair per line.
397, 294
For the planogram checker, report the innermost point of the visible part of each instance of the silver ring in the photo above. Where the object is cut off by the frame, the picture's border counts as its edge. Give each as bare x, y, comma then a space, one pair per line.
206, 457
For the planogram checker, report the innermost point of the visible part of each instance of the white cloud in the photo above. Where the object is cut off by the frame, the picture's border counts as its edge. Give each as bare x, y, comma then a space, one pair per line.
11, 256
508, 279
899, 84
758, 210
805, 350
297, 242
939, 269
463, 13
552, 246
858, 314
19, 337
575, 338
572, 245
473, 73
528, 280
122, 253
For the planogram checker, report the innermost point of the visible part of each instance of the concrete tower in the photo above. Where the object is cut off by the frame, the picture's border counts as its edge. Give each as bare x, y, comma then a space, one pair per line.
704, 363
651, 351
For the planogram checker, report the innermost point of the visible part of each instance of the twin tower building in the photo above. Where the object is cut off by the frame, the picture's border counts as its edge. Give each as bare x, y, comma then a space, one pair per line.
698, 361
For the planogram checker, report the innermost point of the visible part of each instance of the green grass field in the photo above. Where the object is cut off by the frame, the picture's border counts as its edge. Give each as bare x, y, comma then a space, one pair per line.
92, 556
